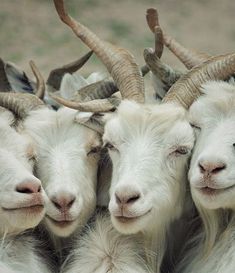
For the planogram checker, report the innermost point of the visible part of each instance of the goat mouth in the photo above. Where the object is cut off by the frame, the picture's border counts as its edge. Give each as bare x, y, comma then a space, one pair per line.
213, 191
61, 224
27, 210
125, 219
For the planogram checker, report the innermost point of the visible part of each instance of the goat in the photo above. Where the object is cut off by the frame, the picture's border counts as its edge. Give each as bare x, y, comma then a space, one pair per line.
22, 199
211, 177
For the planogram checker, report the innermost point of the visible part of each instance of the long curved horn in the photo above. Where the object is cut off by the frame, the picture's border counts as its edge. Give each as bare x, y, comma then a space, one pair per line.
188, 57
119, 62
95, 106
20, 103
40, 81
187, 88
4, 83
56, 75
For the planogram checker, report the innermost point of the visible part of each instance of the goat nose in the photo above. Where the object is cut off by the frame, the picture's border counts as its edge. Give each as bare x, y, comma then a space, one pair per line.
63, 202
211, 167
29, 187
129, 198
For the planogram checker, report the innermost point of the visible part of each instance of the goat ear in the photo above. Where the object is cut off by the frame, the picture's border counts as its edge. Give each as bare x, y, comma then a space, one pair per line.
18, 80
70, 84
93, 121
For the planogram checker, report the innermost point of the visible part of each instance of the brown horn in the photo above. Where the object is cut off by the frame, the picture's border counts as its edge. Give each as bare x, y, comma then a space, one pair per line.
188, 57
40, 81
4, 83
187, 88
164, 72
20, 103
119, 62
95, 106
57, 74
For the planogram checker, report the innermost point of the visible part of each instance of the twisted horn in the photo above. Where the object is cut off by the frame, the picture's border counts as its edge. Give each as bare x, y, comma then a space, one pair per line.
4, 83
56, 75
187, 88
40, 81
95, 106
188, 57
20, 103
161, 70
119, 62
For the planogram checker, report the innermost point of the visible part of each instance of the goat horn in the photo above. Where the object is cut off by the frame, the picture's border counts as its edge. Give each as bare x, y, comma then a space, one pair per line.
57, 74
95, 106
40, 81
188, 57
101, 89
187, 88
166, 74
20, 103
119, 62
4, 83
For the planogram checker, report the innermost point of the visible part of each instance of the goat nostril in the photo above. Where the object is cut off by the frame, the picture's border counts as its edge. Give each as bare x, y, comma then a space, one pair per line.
57, 205
118, 200
71, 203
218, 169
133, 199
28, 187
126, 198
201, 168
63, 202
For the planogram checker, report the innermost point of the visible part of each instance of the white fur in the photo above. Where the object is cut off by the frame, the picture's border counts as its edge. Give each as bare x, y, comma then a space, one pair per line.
102, 249
19, 254
214, 113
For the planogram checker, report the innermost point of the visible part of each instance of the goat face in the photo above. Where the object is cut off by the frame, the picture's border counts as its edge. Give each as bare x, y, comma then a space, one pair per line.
67, 159
21, 194
212, 172
149, 148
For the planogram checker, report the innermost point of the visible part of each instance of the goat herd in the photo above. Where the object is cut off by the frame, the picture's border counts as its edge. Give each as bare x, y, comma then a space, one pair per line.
120, 183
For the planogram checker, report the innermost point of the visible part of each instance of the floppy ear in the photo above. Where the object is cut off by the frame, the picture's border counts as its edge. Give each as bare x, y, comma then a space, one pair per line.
18, 80
94, 121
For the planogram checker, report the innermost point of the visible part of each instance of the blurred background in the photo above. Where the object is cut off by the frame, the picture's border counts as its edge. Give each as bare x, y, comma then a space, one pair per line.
31, 29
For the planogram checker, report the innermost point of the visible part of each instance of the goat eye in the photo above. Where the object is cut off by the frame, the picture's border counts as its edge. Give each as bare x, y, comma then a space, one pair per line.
234, 145
195, 126
94, 150
181, 150
109, 146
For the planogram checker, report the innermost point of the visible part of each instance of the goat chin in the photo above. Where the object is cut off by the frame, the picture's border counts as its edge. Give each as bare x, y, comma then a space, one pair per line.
108, 250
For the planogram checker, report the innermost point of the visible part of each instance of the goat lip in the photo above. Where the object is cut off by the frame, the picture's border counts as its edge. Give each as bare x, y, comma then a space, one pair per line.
26, 209
129, 219
214, 190
60, 223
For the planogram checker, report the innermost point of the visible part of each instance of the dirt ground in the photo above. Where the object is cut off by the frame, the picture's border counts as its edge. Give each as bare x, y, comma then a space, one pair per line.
31, 29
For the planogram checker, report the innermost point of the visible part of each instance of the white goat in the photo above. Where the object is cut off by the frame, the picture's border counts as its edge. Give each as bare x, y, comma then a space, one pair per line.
212, 179
21, 200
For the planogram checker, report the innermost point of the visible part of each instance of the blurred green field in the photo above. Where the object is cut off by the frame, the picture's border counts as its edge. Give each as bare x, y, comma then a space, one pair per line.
31, 29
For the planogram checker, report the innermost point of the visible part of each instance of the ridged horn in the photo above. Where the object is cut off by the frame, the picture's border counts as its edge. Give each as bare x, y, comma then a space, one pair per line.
95, 106
119, 62
161, 70
56, 75
4, 83
40, 91
20, 103
188, 57
187, 88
